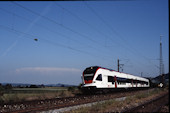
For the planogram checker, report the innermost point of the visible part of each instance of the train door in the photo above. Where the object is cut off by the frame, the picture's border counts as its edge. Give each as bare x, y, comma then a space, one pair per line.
110, 81
132, 82
115, 81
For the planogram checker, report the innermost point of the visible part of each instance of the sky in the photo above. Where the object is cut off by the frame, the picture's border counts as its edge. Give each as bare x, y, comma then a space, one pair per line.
50, 42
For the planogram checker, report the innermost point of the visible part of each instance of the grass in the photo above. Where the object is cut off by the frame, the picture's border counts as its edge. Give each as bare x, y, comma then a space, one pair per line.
109, 105
27, 94
35, 90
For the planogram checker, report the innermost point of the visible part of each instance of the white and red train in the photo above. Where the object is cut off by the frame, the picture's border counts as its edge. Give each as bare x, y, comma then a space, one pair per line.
98, 78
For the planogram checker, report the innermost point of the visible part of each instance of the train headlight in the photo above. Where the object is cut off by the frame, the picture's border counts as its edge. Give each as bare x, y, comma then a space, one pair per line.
94, 81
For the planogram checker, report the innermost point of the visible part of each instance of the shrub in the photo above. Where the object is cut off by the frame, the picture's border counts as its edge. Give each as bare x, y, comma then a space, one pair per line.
8, 86
1, 90
33, 86
71, 89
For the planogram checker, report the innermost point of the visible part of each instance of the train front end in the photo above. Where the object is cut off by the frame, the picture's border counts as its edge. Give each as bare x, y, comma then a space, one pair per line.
88, 78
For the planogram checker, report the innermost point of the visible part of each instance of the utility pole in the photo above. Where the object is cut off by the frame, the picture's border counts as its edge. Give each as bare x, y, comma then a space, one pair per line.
160, 65
161, 68
118, 65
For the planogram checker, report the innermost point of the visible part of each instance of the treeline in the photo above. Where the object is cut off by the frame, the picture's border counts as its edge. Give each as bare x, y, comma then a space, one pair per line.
31, 86
4, 87
9, 86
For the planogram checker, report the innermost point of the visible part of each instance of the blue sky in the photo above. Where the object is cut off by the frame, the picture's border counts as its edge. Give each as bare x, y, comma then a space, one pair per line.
73, 35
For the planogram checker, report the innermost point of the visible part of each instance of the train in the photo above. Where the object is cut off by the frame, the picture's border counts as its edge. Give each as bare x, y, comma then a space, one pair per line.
99, 79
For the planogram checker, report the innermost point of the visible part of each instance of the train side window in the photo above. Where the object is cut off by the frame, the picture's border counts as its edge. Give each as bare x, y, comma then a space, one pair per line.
110, 79
99, 77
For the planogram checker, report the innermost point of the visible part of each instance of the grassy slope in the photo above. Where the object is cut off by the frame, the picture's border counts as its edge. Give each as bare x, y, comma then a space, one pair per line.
25, 94
117, 106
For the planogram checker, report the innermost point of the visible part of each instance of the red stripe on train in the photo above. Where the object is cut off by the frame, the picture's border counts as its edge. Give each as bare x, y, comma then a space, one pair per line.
88, 81
115, 81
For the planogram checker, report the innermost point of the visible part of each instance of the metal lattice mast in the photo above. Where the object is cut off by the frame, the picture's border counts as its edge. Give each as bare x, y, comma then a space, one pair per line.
160, 68
161, 62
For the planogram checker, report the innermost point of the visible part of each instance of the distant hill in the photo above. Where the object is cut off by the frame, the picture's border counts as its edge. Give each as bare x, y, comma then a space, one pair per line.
17, 84
158, 79
59, 85
39, 85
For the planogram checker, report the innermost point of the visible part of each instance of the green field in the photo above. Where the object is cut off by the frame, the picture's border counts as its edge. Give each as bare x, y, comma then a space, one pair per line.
36, 90
27, 94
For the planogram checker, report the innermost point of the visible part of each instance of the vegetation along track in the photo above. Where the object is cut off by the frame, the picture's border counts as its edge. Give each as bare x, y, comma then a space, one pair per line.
41, 105
153, 105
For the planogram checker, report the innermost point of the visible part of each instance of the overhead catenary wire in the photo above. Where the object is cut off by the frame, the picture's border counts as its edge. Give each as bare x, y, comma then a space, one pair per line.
61, 25
133, 50
85, 22
51, 30
53, 21
43, 26
68, 38
32, 37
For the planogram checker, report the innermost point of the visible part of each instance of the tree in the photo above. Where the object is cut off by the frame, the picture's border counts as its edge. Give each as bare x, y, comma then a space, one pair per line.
71, 89
8, 86
33, 86
79, 86
1, 90
42, 86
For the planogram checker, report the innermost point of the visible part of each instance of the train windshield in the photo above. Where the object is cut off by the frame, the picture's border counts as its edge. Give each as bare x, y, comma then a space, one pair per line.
89, 73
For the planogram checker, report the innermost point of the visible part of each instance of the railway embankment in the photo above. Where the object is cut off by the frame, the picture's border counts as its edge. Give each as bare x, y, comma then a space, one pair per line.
114, 102
154, 100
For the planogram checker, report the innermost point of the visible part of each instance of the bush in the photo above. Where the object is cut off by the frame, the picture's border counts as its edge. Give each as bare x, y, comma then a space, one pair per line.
33, 86
79, 86
71, 89
8, 86
1, 90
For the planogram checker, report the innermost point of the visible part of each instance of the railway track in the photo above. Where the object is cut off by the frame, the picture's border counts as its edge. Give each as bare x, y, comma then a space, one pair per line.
48, 104
153, 105
41, 105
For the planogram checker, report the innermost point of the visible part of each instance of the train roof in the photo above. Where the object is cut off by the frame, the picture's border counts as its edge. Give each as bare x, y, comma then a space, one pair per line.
100, 67
96, 67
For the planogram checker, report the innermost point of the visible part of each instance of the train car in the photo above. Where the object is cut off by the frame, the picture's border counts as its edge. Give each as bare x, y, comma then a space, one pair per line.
97, 78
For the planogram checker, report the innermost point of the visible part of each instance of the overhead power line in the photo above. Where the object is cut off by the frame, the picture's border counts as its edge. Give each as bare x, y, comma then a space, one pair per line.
32, 37
118, 34
53, 21
80, 34
91, 26
44, 27
51, 30
85, 22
